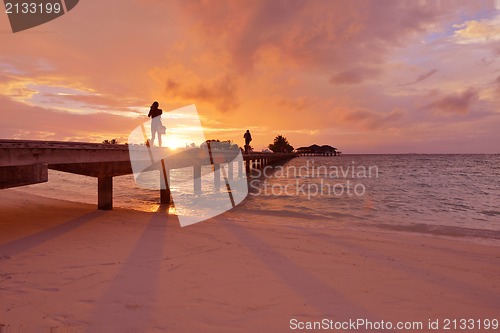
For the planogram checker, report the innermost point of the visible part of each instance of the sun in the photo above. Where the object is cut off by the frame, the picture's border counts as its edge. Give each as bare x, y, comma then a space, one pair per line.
173, 142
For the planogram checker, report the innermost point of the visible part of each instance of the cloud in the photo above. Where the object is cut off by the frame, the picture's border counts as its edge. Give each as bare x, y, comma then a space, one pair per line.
369, 119
496, 90
92, 102
319, 34
475, 31
105, 47
421, 77
21, 121
354, 76
220, 92
456, 103
296, 104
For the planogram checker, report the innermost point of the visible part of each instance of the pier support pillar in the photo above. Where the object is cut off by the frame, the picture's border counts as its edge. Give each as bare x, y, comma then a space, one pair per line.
230, 170
247, 167
240, 169
197, 179
216, 177
164, 187
105, 193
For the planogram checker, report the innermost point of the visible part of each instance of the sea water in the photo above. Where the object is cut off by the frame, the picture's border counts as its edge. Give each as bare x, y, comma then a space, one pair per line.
441, 194
455, 195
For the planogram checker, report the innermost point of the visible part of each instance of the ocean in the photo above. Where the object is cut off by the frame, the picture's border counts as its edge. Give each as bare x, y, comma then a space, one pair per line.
451, 195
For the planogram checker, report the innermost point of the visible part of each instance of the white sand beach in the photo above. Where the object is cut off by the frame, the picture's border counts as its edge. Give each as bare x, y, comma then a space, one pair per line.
68, 267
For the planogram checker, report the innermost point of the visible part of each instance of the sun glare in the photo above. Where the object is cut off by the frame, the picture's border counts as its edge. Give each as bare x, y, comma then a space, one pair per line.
173, 142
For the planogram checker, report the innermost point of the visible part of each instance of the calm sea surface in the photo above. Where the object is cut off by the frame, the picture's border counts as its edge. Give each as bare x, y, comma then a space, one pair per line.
457, 195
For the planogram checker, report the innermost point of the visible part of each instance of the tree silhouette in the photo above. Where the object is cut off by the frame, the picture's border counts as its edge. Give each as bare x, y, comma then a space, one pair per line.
219, 145
280, 145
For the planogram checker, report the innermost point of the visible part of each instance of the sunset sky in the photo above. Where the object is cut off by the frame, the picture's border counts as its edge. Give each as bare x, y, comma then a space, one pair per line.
364, 76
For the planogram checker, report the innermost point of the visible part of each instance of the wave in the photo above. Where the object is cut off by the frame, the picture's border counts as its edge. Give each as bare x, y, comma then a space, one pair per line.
442, 230
490, 212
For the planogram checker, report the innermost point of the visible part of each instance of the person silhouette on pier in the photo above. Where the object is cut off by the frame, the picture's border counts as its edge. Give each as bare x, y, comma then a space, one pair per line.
156, 125
248, 138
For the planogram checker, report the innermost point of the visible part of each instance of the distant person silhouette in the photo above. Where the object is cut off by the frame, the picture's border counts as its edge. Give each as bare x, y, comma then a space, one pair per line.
156, 125
248, 138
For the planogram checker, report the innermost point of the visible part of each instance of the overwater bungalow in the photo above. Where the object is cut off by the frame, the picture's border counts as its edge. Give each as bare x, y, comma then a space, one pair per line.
316, 150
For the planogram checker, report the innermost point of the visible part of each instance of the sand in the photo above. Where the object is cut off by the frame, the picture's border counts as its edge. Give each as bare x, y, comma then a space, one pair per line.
70, 268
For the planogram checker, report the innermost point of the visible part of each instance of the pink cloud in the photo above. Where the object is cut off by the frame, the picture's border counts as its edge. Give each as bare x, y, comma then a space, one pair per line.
421, 77
94, 102
457, 103
354, 76
21, 121
315, 34
497, 87
368, 119
220, 92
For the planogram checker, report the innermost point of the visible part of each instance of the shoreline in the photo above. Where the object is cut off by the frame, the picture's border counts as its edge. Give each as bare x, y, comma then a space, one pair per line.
415, 204
67, 265
480, 236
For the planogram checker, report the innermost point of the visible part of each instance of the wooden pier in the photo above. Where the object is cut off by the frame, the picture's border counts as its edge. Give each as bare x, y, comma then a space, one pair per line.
25, 162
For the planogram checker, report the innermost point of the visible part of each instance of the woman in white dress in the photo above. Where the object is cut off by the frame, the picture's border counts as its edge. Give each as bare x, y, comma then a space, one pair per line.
156, 125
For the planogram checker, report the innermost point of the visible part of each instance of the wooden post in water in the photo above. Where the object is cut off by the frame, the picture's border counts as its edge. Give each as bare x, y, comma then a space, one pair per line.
105, 193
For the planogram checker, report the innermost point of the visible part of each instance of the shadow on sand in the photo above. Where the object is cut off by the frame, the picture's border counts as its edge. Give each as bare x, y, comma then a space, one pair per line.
28, 242
135, 280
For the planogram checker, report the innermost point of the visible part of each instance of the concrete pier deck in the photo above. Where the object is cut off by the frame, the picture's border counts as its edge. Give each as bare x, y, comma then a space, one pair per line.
25, 162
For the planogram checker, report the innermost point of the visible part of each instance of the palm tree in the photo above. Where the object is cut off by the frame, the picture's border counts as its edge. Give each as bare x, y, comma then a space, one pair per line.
280, 145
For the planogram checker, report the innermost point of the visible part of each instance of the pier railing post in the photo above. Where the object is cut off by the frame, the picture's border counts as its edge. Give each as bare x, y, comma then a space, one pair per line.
105, 193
